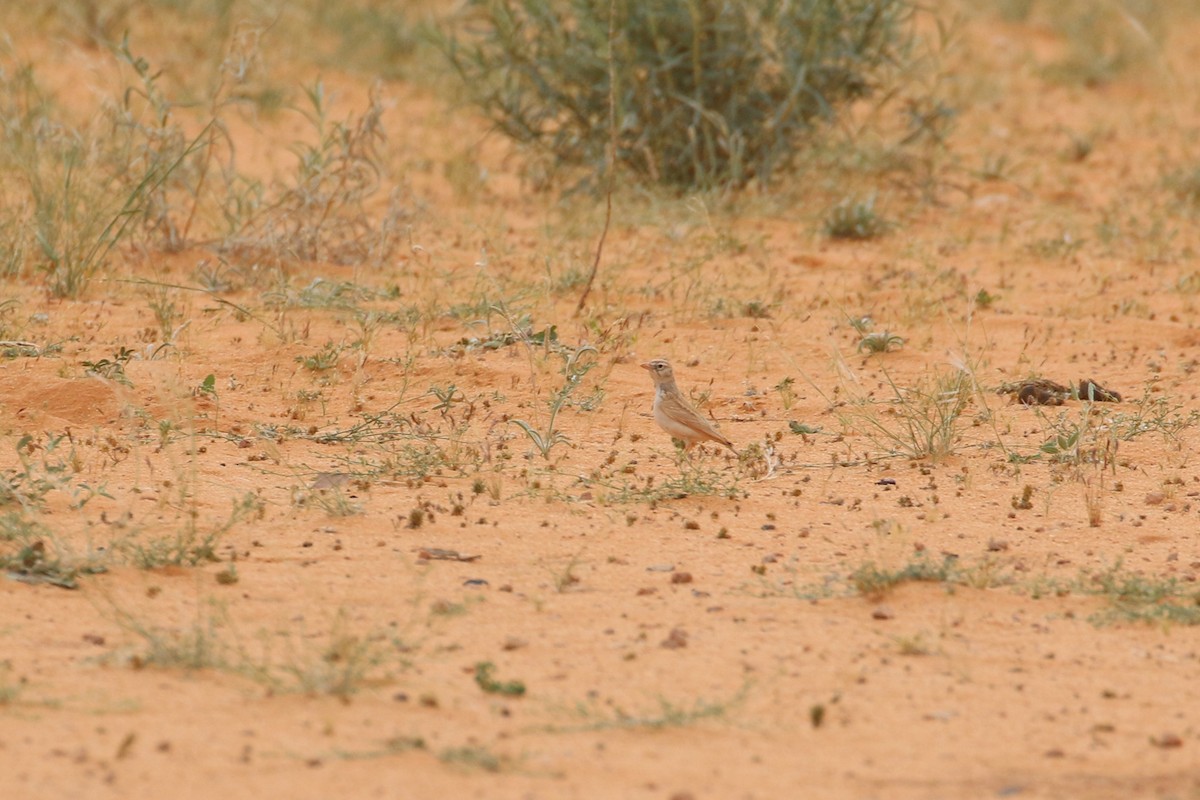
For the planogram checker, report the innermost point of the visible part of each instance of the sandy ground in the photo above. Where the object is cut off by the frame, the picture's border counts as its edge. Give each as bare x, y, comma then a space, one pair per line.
655, 628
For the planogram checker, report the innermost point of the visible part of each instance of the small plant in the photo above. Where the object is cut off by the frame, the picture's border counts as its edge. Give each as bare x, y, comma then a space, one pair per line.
914, 645
666, 714
166, 313
1088, 439
485, 681
111, 369
985, 299
338, 667
447, 398
880, 342
855, 219
1065, 446
862, 325
873, 581
787, 393
208, 387
198, 646
324, 359
574, 369
566, 578
756, 309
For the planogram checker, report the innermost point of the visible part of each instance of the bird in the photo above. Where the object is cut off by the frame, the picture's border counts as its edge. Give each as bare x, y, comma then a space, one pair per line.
673, 413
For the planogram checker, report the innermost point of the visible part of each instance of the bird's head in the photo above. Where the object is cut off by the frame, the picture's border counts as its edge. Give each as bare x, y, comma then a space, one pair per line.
660, 370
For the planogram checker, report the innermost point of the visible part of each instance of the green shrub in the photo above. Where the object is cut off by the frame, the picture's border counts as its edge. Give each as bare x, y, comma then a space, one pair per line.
708, 93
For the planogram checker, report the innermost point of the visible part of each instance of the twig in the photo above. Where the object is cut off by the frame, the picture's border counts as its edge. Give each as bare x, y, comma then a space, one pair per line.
610, 156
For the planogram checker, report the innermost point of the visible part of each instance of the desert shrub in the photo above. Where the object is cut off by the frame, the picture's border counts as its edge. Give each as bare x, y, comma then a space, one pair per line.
708, 92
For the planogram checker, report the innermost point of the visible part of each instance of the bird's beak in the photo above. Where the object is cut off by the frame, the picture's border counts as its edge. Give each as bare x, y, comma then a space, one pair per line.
647, 365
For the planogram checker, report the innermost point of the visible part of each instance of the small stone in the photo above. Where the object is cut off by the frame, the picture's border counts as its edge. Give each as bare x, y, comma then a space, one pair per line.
1166, 741
681, 577
1155, 498
677, 639
883, 612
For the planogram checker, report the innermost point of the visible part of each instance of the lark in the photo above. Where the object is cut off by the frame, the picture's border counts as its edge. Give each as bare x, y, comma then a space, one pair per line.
673, 413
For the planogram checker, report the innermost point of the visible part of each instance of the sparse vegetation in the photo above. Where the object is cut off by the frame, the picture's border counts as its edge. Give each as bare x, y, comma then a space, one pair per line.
339, 664
485, 681
194, 543
874, 581
473, 758
665, 713
1137, 599
346, 468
